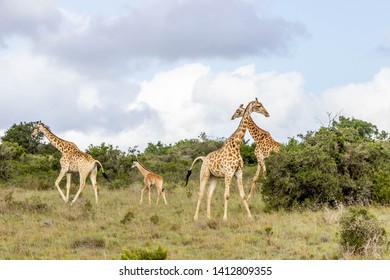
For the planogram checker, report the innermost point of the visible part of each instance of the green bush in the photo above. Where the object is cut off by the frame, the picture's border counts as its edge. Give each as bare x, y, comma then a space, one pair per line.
301, 176
128, 217
143, 254
155, 219
381, 186
346, 163
360, 232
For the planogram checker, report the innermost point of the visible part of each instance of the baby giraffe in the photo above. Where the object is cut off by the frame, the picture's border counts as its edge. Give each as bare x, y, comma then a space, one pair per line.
151, 179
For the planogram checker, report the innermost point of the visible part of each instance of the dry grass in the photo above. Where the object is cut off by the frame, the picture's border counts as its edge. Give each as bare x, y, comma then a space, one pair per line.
38, 225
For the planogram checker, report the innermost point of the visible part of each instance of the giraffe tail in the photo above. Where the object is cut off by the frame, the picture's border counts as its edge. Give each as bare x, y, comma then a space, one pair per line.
190, 170
104, 174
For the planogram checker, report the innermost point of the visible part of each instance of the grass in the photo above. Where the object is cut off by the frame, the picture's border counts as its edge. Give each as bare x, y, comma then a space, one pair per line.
39, 225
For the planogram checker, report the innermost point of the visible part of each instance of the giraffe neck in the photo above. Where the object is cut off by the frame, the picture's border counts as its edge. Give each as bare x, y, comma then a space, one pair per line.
256, 132
142, 169
54, 140
236, 138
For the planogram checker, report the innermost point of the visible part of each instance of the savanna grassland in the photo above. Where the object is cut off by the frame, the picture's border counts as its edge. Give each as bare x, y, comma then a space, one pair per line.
299, 214
39, 225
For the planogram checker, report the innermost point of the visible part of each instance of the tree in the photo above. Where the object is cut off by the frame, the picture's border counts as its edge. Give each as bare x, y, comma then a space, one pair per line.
21, 134
346, 162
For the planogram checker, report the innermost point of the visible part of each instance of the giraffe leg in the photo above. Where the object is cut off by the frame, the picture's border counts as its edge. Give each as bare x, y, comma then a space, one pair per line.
158, 188
163, 194
94, 184
242, 192
82, 186
254, 180
142, 194
150, 197
68, 180
228, 180
57, 183
213, 183
204, 177
160, 191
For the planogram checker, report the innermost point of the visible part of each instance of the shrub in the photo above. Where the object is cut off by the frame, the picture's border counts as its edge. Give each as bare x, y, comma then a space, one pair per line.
381, 185
360, 232
268, 230
346, 163
301, 176
128, 217
155, 219
143, 254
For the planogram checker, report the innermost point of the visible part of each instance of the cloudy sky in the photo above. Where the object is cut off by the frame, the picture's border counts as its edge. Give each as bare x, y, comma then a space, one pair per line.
130, 72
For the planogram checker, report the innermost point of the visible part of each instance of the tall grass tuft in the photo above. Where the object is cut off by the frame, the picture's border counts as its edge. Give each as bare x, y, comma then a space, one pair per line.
361, 232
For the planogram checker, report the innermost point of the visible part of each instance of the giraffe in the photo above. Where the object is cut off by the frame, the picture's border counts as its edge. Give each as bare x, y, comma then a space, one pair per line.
225, 162
150, 179
264, 145
72, 160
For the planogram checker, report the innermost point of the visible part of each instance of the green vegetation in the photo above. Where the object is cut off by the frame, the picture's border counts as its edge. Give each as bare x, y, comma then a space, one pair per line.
361, 232
346, 162
143, 254
301, 211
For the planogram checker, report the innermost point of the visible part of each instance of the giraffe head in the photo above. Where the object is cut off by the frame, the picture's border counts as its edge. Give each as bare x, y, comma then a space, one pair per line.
38, 128
135, 164
256, 106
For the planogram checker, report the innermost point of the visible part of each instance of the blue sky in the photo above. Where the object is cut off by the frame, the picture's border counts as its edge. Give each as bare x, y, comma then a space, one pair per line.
133, 72
345, 40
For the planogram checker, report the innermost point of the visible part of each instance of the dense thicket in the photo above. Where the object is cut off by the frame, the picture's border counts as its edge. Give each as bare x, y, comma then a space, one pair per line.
346, 162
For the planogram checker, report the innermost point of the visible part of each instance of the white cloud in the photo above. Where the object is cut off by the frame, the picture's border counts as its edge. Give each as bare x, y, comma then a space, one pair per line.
192, 99
89, 98
35, 88
169, 94
185, 101
368, 101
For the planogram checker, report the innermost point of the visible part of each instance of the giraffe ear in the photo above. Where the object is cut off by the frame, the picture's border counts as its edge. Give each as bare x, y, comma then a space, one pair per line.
242, 106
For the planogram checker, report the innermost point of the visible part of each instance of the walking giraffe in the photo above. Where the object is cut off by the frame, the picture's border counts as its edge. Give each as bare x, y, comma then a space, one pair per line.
225, 162
72, 160
150, 179
264, 145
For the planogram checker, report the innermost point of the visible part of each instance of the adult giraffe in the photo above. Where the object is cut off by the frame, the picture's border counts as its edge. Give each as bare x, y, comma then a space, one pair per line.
226, 162
72, 160
264, 145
